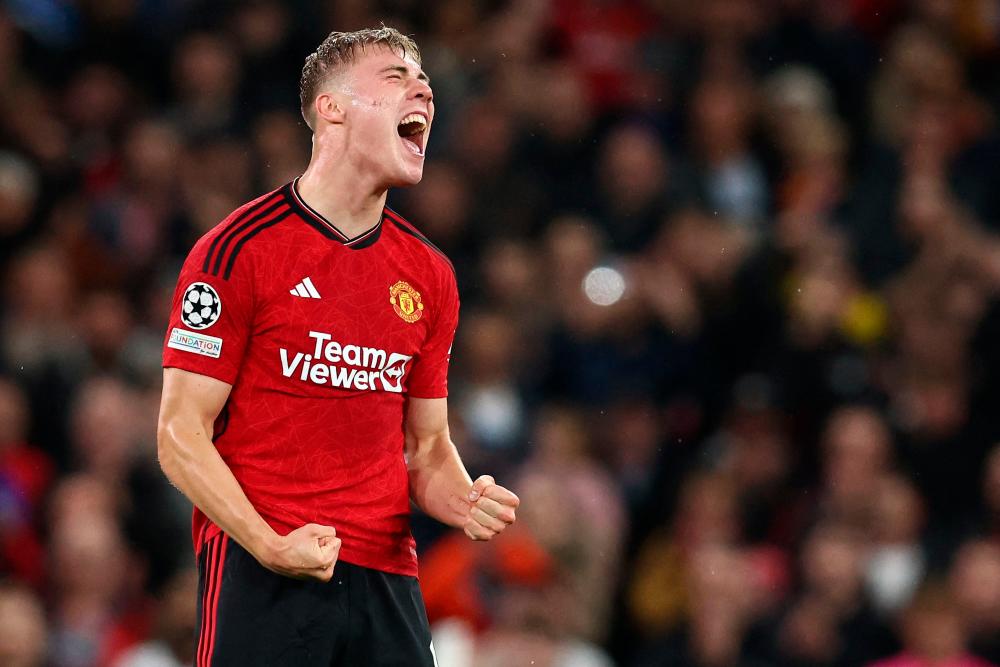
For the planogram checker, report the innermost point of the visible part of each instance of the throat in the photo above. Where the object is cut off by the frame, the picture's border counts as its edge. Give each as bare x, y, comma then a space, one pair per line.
349, 212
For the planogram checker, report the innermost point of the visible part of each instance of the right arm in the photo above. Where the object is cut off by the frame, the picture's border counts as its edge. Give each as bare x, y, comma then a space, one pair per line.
189, 407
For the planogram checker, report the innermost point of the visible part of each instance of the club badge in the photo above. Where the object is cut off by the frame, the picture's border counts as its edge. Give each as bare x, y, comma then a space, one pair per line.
406, 302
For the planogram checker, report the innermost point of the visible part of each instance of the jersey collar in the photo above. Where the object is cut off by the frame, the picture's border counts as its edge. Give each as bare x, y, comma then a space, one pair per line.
314, 219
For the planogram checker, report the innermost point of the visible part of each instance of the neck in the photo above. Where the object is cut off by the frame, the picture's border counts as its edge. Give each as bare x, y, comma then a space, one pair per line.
341, 193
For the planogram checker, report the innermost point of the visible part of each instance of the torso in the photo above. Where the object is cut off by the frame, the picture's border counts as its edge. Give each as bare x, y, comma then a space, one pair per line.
313, 426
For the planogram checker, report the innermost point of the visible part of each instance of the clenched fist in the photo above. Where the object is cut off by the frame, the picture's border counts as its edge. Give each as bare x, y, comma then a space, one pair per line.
309, 552
492, 509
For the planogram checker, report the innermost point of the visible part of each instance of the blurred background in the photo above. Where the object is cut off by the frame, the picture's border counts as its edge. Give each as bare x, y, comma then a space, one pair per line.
729, 272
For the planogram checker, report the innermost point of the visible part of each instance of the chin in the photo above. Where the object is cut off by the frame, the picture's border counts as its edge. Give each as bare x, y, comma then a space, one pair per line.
408, 177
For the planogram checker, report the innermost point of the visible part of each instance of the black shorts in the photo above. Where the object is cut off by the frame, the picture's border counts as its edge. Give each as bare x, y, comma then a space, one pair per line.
248, 615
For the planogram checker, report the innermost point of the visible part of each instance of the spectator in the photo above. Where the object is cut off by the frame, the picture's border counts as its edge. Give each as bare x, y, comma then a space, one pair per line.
858, 453
170, 643
26, 474
732, 179
23, 631
975, 583
897, 562
831, 622
94, 620
933, 634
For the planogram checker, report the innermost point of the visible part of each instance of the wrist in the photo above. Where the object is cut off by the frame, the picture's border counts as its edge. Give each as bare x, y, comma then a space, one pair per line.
265, 544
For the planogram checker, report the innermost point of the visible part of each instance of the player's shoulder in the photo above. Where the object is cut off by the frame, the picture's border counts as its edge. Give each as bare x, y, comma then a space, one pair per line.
413, 237
219, 250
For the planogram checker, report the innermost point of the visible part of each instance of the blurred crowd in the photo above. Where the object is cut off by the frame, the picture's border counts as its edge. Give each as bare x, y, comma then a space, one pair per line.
729, 272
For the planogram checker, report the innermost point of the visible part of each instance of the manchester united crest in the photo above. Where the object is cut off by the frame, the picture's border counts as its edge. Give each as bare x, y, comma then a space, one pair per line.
406, 301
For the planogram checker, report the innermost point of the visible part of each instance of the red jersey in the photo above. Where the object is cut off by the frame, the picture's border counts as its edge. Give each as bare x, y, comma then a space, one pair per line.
322, 338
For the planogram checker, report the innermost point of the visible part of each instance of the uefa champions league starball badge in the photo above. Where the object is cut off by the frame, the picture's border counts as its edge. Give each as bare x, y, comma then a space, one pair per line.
201, 306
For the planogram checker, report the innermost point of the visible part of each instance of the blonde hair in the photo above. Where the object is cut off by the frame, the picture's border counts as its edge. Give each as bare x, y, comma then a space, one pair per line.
340, 48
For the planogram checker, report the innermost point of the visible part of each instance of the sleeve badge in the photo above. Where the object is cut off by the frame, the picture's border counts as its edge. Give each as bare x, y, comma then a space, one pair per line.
201, 306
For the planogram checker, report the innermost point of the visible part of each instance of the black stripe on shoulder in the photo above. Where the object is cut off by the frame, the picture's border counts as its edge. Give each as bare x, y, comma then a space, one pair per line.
407, 228
268, 199
239, 229
254, 232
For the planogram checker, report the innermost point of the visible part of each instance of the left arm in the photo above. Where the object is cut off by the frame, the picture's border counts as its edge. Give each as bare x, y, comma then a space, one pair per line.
439, 483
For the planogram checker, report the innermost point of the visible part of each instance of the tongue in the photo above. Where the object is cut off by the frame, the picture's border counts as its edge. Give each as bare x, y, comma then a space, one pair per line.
413, 145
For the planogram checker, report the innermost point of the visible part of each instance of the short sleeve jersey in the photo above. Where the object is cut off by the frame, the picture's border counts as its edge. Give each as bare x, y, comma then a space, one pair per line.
322, 338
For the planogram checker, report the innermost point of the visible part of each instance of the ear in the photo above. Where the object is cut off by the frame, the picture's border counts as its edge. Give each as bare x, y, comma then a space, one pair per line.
329, 109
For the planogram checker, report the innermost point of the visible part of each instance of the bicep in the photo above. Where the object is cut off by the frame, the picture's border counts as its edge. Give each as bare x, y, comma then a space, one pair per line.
426, 417
191, 398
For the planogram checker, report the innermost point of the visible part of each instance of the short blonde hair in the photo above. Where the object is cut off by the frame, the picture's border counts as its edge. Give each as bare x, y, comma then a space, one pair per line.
340, 48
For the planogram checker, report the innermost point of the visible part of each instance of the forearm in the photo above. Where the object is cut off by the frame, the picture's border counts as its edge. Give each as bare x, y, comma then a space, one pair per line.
191, 462
439, 482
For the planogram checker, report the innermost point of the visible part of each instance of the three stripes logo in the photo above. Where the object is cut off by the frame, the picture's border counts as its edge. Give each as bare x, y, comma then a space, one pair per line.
305, 289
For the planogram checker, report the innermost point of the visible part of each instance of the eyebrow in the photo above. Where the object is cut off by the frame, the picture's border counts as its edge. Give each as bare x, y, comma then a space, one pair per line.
405, 72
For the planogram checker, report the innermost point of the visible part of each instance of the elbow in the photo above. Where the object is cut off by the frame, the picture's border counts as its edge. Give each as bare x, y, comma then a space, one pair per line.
428, 451
415, 450
166, 452
411, 448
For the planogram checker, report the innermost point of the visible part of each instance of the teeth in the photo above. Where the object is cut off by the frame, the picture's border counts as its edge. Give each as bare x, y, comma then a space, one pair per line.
413, 118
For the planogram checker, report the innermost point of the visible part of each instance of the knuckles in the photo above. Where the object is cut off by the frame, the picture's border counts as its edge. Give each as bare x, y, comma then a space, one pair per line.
505, 513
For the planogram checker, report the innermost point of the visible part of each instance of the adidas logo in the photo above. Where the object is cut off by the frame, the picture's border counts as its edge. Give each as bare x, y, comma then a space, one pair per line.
305, 289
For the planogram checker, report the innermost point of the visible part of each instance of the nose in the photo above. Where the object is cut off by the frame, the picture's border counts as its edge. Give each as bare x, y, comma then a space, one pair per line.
421, 90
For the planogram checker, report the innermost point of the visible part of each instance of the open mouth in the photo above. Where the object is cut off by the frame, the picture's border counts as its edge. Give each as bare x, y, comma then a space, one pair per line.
413, 130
